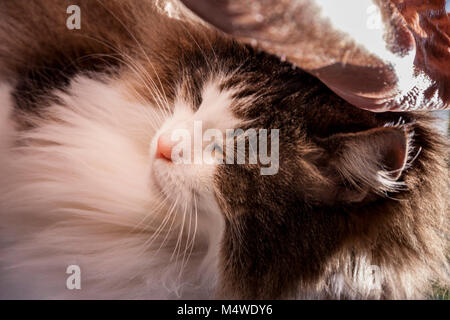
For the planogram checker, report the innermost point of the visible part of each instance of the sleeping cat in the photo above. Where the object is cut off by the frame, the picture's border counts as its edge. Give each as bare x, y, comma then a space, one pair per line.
356, 210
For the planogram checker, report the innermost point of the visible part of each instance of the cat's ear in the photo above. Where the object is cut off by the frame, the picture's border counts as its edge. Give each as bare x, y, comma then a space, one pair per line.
378, 55
366, 162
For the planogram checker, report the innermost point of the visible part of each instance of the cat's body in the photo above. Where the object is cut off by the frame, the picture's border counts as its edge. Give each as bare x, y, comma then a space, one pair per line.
82, 111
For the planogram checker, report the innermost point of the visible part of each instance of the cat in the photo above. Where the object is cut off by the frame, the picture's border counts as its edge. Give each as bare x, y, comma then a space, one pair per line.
358, 208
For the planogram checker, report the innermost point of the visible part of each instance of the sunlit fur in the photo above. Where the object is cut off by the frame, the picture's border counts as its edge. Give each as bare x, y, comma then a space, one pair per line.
87, 169
80, 184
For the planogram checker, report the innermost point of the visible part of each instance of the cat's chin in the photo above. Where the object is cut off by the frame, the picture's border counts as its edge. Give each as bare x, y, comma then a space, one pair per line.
163, 178
155, 177
181, 184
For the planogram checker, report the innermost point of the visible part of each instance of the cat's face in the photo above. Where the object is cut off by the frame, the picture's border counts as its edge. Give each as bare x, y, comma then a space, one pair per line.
183, 167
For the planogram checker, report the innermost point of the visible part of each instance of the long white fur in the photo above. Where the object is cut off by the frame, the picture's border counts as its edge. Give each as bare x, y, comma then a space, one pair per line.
77, 190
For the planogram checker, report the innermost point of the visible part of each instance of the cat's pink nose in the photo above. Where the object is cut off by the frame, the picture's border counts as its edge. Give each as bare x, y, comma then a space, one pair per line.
164, 147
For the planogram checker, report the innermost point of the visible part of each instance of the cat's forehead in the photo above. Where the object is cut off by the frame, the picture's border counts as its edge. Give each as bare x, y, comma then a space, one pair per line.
213, 108
250, 85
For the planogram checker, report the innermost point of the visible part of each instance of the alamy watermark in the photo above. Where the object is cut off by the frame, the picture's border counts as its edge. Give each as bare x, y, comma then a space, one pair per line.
213, 146
73, 22
73, 281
